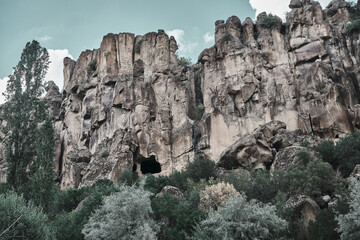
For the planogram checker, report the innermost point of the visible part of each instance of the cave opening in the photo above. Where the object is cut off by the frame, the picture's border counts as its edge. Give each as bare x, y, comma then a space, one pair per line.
150, 165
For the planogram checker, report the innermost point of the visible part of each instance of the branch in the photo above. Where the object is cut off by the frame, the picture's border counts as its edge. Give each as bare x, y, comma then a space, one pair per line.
12, 225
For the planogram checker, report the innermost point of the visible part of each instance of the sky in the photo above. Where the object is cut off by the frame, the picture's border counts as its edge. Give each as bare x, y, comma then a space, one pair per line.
68, 27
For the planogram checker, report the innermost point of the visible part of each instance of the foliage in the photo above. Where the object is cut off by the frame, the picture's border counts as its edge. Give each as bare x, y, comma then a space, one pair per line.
32, 222
257, 184
67, 200
199, 110
184, 62
314, 179
29, 133
354, 26
268, 21
327, 151
69, 226
91, 67
200, 168
304, 143
345, 155
216, 195
177, 216
239, 219
349, 224
325, 224
127, 177
124, 214
105, 153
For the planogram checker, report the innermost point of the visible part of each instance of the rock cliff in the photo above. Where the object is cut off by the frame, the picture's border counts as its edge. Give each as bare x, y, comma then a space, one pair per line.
130, 105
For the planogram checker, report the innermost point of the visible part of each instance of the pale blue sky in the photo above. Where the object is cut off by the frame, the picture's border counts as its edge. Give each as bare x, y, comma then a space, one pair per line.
68, 27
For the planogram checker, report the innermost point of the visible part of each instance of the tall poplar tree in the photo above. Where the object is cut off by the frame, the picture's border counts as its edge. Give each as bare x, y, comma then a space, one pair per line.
28, 130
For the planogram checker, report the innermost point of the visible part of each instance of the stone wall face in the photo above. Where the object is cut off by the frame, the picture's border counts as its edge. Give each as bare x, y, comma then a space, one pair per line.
137, 107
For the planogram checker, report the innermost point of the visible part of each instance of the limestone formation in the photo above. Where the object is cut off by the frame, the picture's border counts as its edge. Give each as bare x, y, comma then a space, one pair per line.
130, 105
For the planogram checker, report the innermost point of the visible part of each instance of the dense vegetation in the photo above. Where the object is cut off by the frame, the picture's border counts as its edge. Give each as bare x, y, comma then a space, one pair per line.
239, 204
354, 26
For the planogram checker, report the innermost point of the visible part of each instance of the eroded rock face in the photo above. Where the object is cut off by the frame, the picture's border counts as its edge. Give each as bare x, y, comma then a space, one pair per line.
129, 105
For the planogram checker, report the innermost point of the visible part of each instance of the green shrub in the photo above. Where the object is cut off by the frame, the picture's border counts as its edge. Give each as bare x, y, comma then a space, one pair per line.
345, 155
200, 168
91, 67
105, 153
267, 22
77, 219
31, 223
123, 215
241, 219
327, 151
315, 179
67, 200
184, 62
305, 143
256, 185
177, 216
199, 110
127, 177
325, 225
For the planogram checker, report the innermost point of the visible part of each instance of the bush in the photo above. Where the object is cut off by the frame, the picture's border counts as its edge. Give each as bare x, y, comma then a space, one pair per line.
32, 222
239, 219
184, 62
216, 195
91, 67
123, 215
345, 155
267, 22
69, 226
257, 184
105, 154
127, 177
200, 168
325, 224
349, 224
67, 200
177, 216
315, 179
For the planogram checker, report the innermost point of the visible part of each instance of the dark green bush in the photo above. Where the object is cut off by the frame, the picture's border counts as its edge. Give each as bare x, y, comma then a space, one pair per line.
75, 221
353, 27
200, 168
345, 155
267, 22
178, 216
91, 67
127, 177
325, 225
256, 185
184, 61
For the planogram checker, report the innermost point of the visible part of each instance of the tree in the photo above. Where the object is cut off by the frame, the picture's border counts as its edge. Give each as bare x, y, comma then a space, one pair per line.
123, 215
28, 130
349, 225
21, 220
239, 219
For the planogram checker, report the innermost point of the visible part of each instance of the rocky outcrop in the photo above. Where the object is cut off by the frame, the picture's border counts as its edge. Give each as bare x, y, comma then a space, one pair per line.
130, 105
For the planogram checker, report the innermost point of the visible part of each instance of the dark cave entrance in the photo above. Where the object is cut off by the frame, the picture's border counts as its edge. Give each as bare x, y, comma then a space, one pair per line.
150, 165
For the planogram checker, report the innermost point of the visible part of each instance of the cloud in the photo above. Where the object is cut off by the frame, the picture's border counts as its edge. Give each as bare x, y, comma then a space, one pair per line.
185, 47
45, 38
3, 83
56, 66
277, 7
208, 37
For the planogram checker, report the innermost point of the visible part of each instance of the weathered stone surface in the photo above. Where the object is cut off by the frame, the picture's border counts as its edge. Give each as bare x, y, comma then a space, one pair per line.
304, 207
172, 191
138, 109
